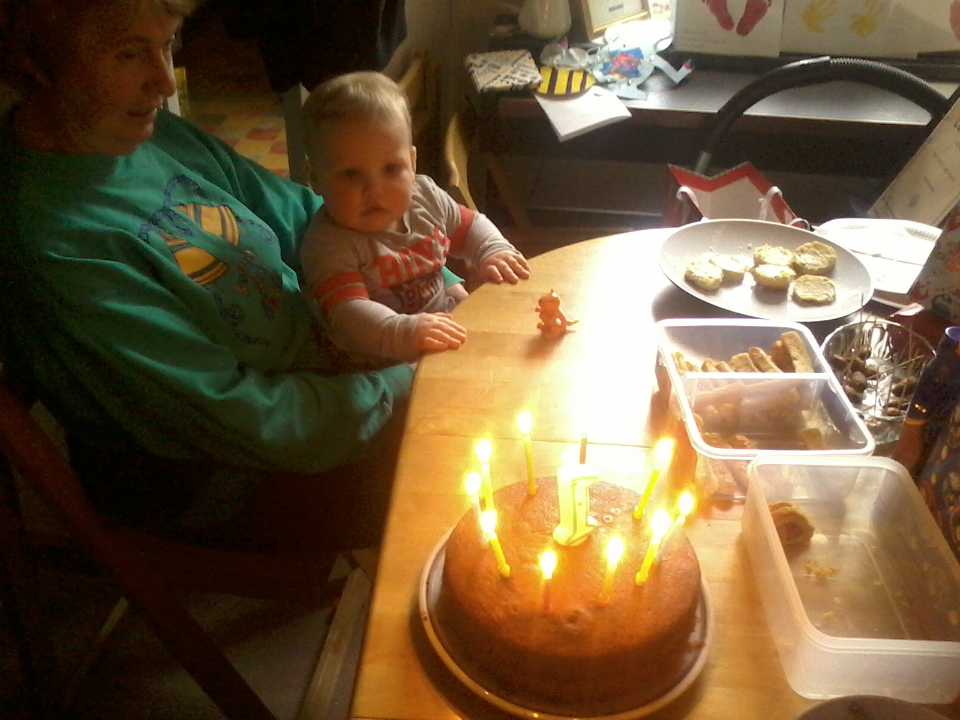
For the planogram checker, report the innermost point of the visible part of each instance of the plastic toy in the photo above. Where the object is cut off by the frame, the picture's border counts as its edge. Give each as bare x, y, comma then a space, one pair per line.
553, 323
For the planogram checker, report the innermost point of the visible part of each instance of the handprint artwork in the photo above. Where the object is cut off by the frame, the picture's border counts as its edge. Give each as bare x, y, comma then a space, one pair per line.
817, 13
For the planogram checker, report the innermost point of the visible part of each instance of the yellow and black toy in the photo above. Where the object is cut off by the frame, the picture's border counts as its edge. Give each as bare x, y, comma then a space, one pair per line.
564, 82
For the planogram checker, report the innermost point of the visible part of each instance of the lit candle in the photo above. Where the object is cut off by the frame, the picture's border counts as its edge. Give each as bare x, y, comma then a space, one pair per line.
583, 448
685, 505
614, 553
659, 525
573, 482
524, 423
548, 563
662, 453
484, 451
472, 483
489, 522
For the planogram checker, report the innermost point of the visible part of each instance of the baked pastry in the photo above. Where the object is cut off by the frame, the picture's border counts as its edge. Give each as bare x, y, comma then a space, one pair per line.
792, 525
772, 255
733, 267
704, 274
575, 655
814, 289
814, 258
774, 277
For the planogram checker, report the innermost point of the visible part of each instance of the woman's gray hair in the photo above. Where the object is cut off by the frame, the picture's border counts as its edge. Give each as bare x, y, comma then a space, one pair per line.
42, 34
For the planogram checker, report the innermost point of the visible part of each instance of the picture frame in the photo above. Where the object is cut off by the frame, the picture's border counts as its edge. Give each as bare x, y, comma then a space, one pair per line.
598, 15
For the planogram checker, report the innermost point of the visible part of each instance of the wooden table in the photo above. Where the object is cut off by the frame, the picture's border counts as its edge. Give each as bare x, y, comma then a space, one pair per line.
599, 375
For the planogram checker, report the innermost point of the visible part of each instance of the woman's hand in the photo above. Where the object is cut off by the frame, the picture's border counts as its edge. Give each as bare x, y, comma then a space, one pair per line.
438, 331
505, 265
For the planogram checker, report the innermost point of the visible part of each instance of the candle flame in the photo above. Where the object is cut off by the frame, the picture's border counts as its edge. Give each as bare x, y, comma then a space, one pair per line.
662, 452
488, 521
484, 450
524, 422
659, 524
614, 551
472, 482
686, 503
548, 563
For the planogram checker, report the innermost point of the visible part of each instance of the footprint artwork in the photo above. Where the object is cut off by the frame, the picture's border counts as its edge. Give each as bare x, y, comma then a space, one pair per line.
718, 9
817, 12
867, 22
752, 14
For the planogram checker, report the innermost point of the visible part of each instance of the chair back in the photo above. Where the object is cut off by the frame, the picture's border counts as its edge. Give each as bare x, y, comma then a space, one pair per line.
456, 159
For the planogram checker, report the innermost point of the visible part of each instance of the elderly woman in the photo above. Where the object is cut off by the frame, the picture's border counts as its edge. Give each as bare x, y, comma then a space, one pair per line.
150, 293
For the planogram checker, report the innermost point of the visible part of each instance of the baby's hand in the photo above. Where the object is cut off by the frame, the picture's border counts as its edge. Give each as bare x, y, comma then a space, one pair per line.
438, 331
505, 265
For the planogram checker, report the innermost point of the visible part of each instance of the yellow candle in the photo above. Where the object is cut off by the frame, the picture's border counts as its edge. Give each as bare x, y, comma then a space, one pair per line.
489, 522
614, 553
524, 423
662, 453
484, 451
659, 525
548, 563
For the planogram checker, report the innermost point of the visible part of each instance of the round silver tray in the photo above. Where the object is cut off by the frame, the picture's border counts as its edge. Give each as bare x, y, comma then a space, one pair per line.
701, 640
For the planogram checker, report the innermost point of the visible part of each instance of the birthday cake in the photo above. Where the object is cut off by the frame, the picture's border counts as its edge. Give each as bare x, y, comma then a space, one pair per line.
552, 644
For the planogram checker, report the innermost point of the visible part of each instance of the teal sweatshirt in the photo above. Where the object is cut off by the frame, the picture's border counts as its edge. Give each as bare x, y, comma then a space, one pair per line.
155, 300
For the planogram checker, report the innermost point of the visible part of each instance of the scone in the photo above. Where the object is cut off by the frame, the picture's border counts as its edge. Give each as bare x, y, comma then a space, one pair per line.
772, 255
814, 258
774, 277
733, 267
814, 289
704, 274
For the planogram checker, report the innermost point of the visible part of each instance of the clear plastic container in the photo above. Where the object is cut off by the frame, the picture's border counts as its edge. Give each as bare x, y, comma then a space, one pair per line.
739, 415
870, 605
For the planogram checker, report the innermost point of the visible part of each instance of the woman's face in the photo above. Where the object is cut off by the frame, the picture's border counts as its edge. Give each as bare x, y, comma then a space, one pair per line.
106, 98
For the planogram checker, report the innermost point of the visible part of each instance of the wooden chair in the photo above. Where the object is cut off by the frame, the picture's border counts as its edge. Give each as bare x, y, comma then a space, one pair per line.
150, 572
459, 146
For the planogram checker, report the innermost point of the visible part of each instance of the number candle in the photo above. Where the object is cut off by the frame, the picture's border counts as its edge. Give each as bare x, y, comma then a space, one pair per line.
573, 481
659, 525
524, 423
614, 553
548, 563
484, 451
661, 458
472, 483
489, 522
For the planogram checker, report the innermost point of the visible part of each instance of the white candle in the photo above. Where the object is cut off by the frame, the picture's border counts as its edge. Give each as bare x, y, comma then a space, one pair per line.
524, 423
472, 483
685, 506
489, 521
662, 452
659, 525
548, 563
484, 450
614, 553
573, 482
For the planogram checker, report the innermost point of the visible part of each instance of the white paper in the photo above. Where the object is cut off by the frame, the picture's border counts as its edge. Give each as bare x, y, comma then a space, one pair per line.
729, 27
571, 117
928, 187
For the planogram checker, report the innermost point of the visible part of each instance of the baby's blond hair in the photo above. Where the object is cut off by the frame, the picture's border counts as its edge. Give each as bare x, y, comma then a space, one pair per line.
356, 95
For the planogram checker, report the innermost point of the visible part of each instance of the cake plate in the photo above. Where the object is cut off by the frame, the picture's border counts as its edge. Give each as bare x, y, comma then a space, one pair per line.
701, 640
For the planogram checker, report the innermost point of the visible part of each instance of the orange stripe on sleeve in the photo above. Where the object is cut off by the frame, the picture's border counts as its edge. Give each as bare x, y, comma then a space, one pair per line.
340, 288
459, 235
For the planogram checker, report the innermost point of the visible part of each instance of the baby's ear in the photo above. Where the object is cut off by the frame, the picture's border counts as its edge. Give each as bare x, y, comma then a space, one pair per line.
312, 178
413, 157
